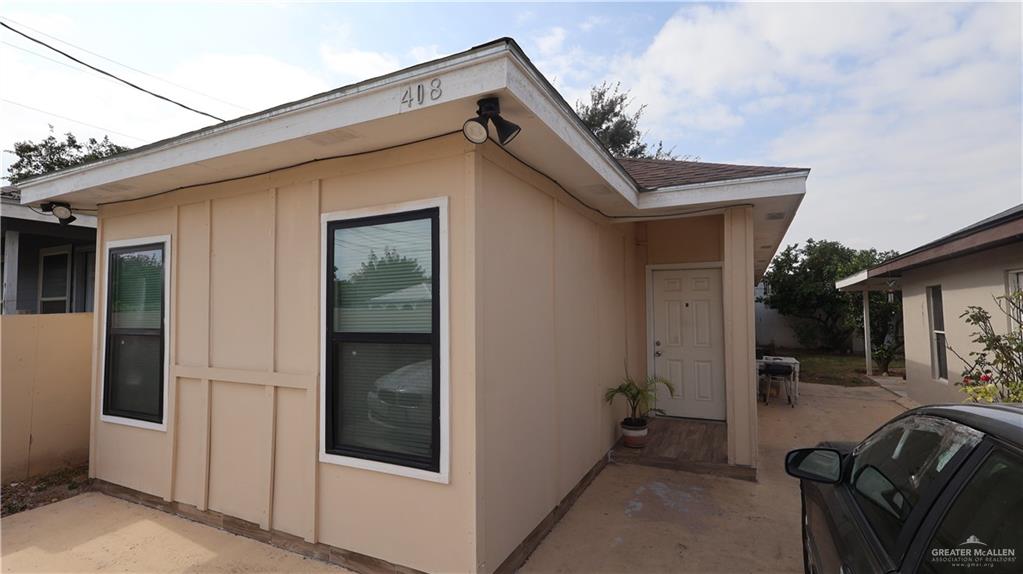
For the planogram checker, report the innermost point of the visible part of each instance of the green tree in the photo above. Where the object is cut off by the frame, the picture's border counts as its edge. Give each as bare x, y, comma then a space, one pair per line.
380, 275
52, 154
615, 127
801, 285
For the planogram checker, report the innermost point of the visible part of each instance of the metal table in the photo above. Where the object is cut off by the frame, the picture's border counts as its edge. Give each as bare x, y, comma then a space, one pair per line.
792, 385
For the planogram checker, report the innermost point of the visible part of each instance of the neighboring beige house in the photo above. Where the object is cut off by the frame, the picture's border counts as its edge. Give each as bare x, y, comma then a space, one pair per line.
339, 320
939, 281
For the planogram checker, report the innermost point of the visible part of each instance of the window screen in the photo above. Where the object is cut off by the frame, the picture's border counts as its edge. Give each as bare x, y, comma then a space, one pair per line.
383, 368
135, 333
54, 282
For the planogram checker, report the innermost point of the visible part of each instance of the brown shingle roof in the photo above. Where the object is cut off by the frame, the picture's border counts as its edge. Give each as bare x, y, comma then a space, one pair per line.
658, 173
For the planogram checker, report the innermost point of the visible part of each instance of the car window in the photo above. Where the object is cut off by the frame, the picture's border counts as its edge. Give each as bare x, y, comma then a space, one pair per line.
895, 465
983, 525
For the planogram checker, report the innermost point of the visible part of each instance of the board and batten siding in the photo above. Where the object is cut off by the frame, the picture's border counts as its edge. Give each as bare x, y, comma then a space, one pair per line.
559, 294
242, 409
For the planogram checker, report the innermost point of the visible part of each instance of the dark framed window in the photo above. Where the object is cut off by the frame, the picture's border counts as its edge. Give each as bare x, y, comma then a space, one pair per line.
135, 333
382, 383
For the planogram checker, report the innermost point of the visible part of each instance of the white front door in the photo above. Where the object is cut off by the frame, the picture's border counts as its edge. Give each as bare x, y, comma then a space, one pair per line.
689, 342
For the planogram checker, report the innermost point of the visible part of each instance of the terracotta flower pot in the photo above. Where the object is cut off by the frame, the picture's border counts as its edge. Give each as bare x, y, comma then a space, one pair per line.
634, 434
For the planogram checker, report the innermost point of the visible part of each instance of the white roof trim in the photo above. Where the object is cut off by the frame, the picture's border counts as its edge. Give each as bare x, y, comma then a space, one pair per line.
17, 211
499, 65
790, 175
851, 280
354, 104
731, 191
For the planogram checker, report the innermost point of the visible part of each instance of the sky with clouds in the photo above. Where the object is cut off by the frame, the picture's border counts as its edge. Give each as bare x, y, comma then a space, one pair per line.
909, 115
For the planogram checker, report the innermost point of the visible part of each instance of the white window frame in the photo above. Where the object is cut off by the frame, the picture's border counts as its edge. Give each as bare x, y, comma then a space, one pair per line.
442, 475
50, 252
932, 333
166, 241
1014, 282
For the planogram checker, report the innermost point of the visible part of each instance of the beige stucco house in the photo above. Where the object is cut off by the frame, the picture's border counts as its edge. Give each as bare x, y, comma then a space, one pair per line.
340, 324
939, 281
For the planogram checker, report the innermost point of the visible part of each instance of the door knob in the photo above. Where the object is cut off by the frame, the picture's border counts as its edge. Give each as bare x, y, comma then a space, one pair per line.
657, 353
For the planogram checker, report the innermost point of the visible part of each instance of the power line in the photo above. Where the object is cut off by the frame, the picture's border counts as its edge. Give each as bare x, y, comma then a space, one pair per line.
27, 107
123, 65
105, 73
55, 61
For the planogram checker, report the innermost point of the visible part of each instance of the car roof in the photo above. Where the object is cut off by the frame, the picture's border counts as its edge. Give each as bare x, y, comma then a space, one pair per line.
1002, 420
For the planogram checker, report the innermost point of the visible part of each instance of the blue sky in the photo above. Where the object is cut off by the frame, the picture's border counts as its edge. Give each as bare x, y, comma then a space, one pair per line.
909, 115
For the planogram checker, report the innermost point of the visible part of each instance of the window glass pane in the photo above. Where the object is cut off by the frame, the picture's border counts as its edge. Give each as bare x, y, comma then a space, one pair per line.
941, 354
892, 467
135, 374
382, 278
385, 397
56, 306
54, 271
937, 311
987, 515
136, 289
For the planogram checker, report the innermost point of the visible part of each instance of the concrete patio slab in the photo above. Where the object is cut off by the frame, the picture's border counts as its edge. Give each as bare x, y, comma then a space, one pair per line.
93, 532
642, 519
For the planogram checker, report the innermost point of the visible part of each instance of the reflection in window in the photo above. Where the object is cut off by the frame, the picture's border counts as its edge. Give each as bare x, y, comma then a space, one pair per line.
893, 466
135, 333
383, 364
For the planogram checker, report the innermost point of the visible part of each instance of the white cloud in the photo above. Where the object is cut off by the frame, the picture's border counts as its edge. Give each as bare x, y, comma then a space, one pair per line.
353, 65
592, 22
551, 42
420, 54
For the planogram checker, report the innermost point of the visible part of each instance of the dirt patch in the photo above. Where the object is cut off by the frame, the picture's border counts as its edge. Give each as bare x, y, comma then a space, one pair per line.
43, 490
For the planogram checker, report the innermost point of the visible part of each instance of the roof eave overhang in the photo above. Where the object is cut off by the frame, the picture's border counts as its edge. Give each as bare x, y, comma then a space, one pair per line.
484, 70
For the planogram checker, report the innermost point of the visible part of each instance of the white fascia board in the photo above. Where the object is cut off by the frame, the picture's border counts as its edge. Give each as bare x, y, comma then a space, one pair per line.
852, 280
468, 75
18, 211
731, 191
535, 94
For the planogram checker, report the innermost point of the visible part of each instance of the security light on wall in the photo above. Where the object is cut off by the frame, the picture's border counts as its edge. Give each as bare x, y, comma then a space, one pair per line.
61, 211
489, 110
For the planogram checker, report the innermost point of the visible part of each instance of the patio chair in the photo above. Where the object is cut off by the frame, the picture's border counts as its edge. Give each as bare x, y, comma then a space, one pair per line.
775, 373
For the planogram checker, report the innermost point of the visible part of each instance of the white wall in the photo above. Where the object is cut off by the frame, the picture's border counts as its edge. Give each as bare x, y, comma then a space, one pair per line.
971, 280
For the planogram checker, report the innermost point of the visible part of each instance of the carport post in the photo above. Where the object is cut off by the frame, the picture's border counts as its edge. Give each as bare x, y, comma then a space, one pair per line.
866, 331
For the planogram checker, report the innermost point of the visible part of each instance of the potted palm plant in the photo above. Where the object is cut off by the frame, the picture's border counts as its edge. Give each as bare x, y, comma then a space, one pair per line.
639, 395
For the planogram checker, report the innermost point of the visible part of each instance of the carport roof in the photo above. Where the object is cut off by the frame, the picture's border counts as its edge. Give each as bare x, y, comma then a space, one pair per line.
653, 174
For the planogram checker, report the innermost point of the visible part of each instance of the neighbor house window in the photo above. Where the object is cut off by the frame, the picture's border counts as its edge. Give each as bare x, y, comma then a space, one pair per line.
1016, 284
136, 323
55, 279
383, 339
939, 345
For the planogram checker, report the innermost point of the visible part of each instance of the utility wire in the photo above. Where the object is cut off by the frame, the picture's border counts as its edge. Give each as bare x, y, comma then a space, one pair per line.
123, 65
56, 61
27, 107
105, 73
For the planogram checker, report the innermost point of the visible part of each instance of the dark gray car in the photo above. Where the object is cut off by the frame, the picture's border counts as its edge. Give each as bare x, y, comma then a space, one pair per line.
937, 489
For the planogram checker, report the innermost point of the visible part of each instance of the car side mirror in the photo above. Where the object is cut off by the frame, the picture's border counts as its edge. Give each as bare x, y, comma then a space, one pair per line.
816, 464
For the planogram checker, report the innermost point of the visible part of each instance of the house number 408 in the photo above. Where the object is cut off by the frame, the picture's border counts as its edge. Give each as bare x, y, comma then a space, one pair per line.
419, 94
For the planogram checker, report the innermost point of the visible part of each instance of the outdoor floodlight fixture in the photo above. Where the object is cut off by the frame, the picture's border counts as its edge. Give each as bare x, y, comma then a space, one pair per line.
61, 211
489, 110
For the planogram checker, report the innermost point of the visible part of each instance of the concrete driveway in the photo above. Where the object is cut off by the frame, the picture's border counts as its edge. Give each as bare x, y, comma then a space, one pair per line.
631, 519
643, 519
93, 532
